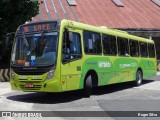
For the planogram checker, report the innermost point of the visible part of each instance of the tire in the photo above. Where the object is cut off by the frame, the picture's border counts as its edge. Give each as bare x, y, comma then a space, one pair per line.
139, 78
88, 86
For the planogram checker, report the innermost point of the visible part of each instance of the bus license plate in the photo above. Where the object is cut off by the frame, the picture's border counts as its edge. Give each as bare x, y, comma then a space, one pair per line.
29, 85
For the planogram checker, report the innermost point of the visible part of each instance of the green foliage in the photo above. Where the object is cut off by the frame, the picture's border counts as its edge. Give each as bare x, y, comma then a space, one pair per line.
12, 14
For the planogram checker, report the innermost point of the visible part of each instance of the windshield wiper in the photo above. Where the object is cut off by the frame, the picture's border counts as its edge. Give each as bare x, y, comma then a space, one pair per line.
42, 35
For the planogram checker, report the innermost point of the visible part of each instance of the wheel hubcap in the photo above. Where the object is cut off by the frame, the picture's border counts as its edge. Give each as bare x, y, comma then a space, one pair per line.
139, 78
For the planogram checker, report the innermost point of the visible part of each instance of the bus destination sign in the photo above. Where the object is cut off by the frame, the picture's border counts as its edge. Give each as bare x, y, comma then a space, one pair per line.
38, 27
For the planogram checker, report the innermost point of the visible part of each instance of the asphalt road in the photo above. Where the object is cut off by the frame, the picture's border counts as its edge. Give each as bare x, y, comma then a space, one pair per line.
114, 102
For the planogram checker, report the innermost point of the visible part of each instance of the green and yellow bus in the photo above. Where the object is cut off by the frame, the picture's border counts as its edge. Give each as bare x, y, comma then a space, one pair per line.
57, 56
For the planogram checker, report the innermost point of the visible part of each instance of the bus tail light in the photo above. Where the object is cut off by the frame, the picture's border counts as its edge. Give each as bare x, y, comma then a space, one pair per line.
50, 75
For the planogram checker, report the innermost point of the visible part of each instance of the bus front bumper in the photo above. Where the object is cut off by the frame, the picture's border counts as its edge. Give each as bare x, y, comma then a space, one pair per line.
36, 86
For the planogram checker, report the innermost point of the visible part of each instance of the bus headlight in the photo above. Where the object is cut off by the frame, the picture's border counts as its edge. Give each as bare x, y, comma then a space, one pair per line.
50, 75
12, 75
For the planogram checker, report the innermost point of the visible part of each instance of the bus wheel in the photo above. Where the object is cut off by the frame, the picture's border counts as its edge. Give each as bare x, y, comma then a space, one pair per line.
139, 78
88, 86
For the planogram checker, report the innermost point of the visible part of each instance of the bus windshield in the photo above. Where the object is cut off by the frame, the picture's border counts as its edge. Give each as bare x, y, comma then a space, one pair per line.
38, 49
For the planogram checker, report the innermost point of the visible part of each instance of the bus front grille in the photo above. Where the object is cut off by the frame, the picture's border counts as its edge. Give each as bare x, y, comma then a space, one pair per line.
30, 80
29, 73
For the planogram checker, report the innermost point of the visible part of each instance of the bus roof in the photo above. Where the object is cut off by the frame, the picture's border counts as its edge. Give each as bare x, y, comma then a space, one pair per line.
105, 30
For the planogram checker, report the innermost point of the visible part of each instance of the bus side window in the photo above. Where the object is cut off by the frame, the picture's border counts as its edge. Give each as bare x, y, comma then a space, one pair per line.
123, 48
109, 45
92, 43
134, 48
75, 46
71, 50
143, 49
151, 50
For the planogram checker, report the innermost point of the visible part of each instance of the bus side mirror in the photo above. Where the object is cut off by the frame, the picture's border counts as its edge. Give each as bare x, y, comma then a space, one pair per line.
66, 45
7, 38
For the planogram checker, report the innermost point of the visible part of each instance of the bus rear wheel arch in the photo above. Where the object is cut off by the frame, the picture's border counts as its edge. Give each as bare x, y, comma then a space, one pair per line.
90, 81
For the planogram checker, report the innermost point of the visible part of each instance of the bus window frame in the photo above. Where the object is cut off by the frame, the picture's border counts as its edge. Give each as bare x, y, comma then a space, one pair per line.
118, 47
100, 44
149, 51
71, 60
138, 48
103, 34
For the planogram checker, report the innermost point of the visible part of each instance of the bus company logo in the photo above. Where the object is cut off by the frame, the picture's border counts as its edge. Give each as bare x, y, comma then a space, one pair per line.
22, 114
128, 65
6, 114
104, 64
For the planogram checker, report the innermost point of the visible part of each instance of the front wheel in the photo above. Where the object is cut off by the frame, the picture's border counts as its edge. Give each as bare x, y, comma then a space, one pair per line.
139, 78
88, 86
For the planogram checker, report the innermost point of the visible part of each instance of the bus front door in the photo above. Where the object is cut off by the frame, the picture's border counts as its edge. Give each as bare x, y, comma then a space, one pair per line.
71, 63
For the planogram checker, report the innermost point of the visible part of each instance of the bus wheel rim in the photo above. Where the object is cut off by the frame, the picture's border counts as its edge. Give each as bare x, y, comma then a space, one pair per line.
139, 78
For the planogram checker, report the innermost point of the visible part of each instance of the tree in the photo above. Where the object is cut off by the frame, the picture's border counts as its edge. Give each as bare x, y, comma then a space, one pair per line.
12, 14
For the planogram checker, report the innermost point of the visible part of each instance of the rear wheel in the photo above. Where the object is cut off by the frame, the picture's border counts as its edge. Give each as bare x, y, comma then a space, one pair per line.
88, 86
139, 78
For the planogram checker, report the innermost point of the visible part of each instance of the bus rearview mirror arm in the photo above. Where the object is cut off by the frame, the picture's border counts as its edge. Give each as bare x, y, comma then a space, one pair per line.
6, 39
68, 36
